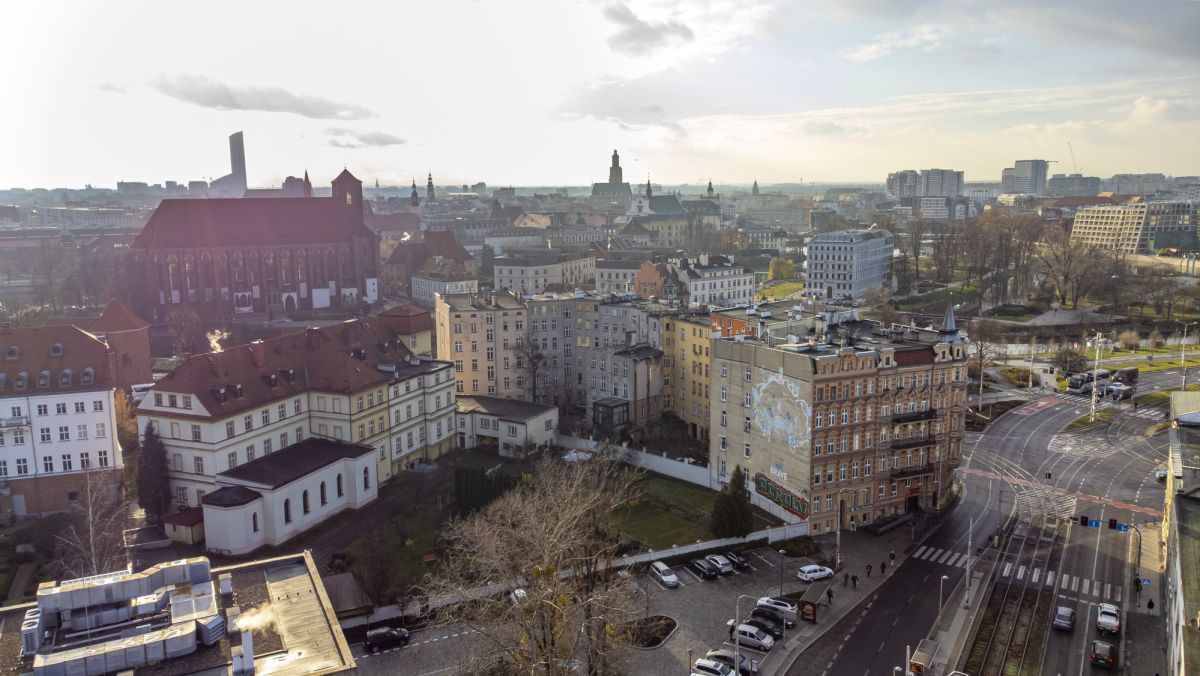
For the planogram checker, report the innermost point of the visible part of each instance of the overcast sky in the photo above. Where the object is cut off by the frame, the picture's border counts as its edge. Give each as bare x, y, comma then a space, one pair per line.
539, 92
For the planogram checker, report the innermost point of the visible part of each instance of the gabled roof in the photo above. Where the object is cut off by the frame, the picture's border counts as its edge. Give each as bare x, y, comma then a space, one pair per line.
302, 458
54, 350
407, 318
114, 318
506, 409
666, 204
247, 221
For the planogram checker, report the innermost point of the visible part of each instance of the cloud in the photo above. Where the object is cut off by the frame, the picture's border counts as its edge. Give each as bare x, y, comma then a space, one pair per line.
110, 87
352, 138
822, 127
621, 103
926, 37
208, 93
636, 36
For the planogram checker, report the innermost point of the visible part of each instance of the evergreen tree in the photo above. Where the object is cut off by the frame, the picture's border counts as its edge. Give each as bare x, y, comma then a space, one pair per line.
732, 514
153, 485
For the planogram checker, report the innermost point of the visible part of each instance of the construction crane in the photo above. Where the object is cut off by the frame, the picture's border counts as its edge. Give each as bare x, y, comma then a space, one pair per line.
1074, 167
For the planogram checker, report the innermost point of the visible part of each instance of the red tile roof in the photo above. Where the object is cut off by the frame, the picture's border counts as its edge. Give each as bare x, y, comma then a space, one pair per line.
407, 318
115, 317
186, 518
202, 223
34, 351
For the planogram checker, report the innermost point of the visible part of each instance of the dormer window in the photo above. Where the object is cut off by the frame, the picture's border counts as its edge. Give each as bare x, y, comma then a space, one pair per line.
21, 381
13, 353
65, 378
44, 379
3, 377
56, 350
88, 377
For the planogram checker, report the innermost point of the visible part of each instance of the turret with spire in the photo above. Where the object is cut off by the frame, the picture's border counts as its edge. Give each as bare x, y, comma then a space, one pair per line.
414, 199
709, 192
307, 185
949, 331
649, 190
754, 190
429, 188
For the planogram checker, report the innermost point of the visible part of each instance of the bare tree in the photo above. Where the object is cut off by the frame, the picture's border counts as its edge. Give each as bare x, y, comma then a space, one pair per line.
186, 333
879, 300
986, 335
916, 236
559, 553
93, 542
530, 362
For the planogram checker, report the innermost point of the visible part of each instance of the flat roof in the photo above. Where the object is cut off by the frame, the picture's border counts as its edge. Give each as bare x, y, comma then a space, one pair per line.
511, 409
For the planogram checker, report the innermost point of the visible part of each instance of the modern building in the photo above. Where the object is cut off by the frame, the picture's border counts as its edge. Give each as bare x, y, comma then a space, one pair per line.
484, 335
512, 428
906, 183
531, 272
857, 426
1137, 227
925, 183
57, 420
352, 382
1075, 185
848, 263
224, 256
1025, 177
232, 184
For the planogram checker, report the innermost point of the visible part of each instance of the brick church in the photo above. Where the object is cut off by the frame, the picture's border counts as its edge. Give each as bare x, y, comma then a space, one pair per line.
221, 257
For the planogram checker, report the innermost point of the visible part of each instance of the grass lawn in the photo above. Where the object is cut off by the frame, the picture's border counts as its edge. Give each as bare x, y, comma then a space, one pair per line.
672, 512
940, 296
1020, 377
1162, 396
1086, 420
780, 289
419, 528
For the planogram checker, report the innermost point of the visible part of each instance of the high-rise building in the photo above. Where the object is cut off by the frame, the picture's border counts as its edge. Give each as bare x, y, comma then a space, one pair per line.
233, 184
1139, 227
1075, 185
1025, 176
905, 183
941, 183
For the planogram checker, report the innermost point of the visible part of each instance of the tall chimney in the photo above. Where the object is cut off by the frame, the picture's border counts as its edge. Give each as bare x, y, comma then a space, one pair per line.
259, 353
237, 159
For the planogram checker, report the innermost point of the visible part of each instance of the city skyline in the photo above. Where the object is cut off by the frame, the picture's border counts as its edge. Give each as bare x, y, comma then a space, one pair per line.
733, 91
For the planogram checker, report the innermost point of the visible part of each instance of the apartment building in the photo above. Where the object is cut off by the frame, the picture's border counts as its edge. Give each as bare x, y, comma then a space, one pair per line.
552, 330
1137, 227
354, 382
863, 429
427, 285
530, 272
693, 346
57, 423
484, 336
615, 276
1025, 177
848, 263
715, 280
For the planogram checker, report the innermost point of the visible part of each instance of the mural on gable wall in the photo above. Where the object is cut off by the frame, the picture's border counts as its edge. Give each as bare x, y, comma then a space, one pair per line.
778, 408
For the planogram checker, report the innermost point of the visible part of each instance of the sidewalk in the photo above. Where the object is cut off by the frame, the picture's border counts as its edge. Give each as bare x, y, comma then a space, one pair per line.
1144, 641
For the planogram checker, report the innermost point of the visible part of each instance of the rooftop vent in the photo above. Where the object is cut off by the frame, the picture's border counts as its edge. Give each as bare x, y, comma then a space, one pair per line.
271, 379
219, 394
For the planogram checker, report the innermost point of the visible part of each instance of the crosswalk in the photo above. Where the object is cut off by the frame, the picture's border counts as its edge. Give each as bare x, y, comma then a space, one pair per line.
1124, 407
1068, 586
941, 556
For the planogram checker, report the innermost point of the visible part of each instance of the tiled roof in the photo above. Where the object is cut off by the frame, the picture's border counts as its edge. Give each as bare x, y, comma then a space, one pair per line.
509, 409
115, 317
186, 518
298, 460
203, 223
407, 318
52, 350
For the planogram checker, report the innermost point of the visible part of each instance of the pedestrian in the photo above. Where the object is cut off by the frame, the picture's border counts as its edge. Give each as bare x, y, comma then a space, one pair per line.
846, 580
854, 580
892, 555
868, 570
1150, 606
829, 594
1135, 405
883, 568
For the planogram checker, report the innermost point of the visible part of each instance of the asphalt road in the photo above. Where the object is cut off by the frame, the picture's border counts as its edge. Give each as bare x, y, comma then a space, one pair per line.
1103, 473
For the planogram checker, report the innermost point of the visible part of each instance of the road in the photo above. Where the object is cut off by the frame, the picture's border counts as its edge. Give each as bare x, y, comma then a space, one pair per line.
1105, 472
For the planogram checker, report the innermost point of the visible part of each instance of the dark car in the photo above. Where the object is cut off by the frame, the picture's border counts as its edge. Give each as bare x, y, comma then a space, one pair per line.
385, 638
739, 562
1103, 654
1064, 619
703, 569
724, 655
772, 615
772, 628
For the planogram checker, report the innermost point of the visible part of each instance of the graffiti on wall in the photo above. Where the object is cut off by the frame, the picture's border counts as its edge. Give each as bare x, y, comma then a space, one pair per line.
779, 410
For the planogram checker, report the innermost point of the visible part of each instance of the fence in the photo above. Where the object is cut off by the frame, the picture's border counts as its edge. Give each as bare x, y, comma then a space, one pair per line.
658, 463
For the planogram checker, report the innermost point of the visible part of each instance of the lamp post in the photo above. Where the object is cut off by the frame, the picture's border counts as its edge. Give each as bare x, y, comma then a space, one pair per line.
689, 662
781, 555
1096, 367
737, 613
941, 586
1182, 348
837, 557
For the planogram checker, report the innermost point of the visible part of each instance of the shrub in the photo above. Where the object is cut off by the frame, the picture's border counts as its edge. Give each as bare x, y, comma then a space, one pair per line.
1129, 340
1156, 339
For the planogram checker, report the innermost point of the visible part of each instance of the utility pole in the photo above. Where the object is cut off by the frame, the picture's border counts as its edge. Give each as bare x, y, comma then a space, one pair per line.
967, 589
1182, 360
1095, 384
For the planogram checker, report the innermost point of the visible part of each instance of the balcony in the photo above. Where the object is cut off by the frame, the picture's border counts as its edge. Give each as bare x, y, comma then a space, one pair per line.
915, 416
16, 421
915, 470
914, 442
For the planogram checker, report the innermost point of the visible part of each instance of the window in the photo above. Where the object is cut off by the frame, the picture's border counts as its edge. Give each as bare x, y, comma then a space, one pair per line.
81, 431
746, 424
340, 490
102, 456
175, 430
3, 468
85, 460
747, 375
229, 431
324, 496
296, 407
724, 419
281, 411
283, 440
304, 502
67, 462
746, 449
746, 400
187, 401
231, 459
287, 511
60, 409
43, 409
512, 430
158, 399
254, 521
724, 370
80, 407
723, 393
101, 431
64, 433
181, 495
723, 446
299, 434
366, 478
247, 423
195, 433
198, 464
172, 401
266, 416
47, 464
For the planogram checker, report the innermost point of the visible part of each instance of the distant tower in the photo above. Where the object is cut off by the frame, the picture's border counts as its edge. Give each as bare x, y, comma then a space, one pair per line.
429, 188
709, 192
754, 190
237, 161
414, 199
649, 191
949, 331
307, 185
614, 172
347, 192
377, 184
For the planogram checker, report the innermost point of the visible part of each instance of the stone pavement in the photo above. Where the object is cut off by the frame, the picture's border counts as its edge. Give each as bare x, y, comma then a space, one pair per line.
1144, 640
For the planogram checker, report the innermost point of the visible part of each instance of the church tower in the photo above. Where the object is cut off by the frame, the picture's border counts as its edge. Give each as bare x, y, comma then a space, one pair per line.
347, 192
754, 190
709, 192
414, 199
614, 172
649, 191
429, 188
307, 185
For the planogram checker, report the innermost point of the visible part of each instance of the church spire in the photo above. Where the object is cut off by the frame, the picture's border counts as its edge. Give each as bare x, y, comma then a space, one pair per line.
649, 190
429, 188
307, 185
414, 199
754, 190
709, 192
614, 172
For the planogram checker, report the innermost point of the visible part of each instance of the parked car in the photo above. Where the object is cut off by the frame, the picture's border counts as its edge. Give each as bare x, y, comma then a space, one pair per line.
1160, 474
774, 629
663, 573
780, 605
739, 562
703, 569
1103, 654
748, 666
385, 638
1120, 391
1108, 619
1064, 619
814, 573
753, 637
773, 615
722, 564
707, 667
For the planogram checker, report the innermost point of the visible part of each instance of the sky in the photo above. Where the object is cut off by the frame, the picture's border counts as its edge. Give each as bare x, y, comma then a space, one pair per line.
539, 92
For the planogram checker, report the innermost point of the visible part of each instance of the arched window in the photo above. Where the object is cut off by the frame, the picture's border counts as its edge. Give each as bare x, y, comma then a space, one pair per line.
366, 478
340, 490
64, 378
285, 267
254, 521
44, 379
239, 268
287, 511
324, 496
269, 265
304, 502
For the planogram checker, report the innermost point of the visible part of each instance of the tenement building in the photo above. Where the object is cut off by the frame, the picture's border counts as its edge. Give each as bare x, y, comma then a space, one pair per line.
255, 254
484, 335
861, 425
848, 263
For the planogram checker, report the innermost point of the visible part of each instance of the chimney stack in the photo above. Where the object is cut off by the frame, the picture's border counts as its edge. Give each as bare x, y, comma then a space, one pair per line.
259, 352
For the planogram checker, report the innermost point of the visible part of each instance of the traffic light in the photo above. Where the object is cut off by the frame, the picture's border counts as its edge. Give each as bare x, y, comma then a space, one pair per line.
1112, 524
1083, 521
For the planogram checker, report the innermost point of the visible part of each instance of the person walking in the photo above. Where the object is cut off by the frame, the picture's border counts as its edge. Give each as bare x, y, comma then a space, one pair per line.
829, 594
868, 570
883, 568
892, 556
846, 580
854, 581
1150, 606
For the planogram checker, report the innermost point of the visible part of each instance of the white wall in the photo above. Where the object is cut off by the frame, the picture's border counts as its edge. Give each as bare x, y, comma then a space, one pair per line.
32, 450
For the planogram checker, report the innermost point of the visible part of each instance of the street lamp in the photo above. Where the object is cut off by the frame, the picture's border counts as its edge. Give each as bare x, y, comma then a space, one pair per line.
737, 613
941, 585
837, 557
1182, 347
781, 555
1095, 385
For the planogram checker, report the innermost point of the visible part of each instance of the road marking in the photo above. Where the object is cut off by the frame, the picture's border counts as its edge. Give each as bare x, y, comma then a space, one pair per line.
954, 560
763, 559
1107, 590
1074, 585
689, 572
1117, 593
920, 551
1096, 589
1050, 579
1021, 572
945, 556
930, 554
1007, 568
1083, 589
1036, 573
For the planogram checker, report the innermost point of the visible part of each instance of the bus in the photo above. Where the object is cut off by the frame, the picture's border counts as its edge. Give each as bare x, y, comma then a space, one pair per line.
1082, 383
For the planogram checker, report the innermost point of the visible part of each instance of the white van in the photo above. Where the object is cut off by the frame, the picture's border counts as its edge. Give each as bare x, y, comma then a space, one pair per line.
753, 637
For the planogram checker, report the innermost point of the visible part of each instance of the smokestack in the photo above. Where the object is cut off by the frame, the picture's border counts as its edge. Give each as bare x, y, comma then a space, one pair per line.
237, 159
